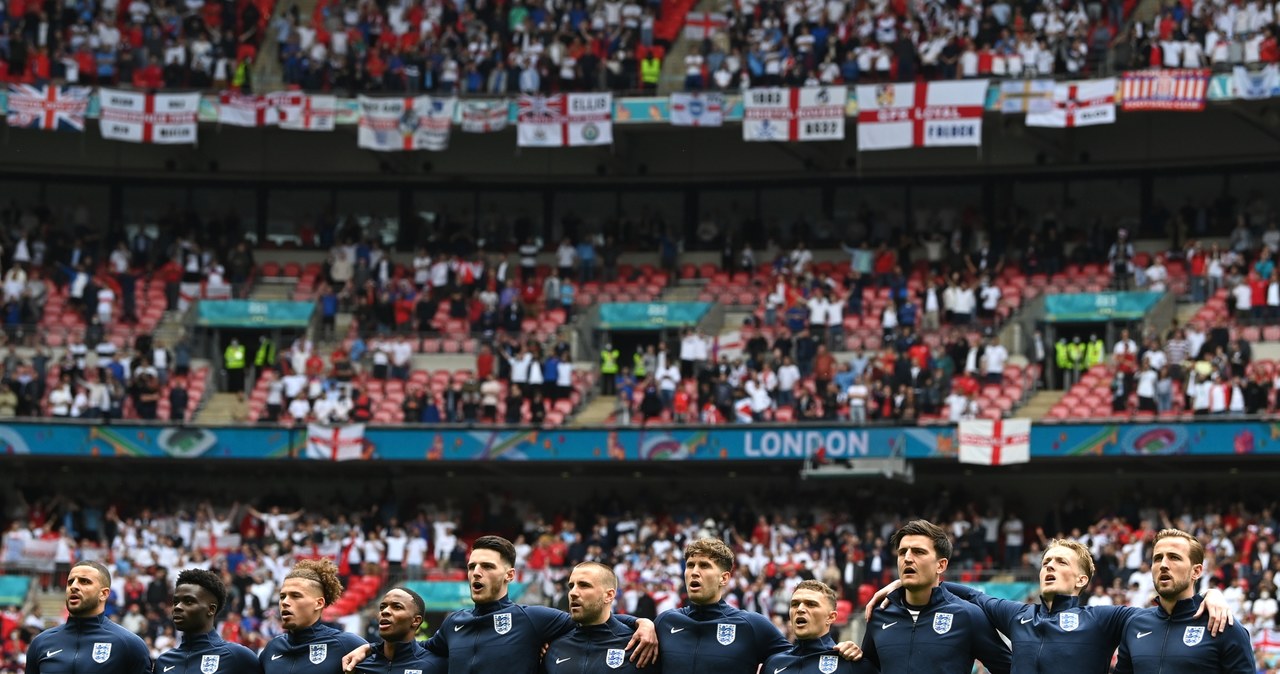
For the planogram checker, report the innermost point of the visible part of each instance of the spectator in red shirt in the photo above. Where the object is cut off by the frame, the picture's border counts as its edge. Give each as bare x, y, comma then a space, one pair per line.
315, 365
1258, 299
886, 259
1269, 50
1196, 263
484, 362
150, 76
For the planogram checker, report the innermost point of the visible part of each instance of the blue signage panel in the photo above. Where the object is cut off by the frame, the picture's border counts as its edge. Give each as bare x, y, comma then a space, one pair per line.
680, 443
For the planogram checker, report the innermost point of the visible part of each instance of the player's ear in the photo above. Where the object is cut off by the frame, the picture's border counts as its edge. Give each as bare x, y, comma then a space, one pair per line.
942, 564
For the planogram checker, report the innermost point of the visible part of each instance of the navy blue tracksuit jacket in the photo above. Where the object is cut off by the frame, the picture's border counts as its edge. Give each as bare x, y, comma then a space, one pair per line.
208, 654
943, 637
1157, 642
88, 645
716, 639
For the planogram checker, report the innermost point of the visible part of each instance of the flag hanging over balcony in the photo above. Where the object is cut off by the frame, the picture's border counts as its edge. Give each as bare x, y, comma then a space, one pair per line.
997, 442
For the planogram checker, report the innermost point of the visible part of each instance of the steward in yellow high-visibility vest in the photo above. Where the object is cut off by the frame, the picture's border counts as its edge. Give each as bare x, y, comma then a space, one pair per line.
609, 369
650, 72
233, 362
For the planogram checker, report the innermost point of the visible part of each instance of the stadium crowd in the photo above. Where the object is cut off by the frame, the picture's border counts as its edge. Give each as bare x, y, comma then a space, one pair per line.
776, 547
480, 48
147, 45
928, 299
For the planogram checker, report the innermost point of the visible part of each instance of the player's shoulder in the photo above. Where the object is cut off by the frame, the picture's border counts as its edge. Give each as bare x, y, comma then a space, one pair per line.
348, 639
277, 642
122, 633
751, 618
238, 651
680, 614
51, 633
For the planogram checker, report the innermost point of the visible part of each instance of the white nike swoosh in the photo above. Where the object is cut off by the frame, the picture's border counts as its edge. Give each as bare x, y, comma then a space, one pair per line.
169, 667
779, 670
457, 627
277, 656
676, 629
1142, 634
1023, 621
888, 625
50, 654
560, 660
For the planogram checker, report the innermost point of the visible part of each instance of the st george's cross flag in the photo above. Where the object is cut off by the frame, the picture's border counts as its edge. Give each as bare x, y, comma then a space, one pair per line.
995, 442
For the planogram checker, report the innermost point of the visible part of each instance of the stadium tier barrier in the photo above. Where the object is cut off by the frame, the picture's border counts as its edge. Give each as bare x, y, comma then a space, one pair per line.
1233, 436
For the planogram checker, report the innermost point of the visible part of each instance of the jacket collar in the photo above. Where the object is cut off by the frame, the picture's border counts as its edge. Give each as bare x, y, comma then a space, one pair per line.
709, 611
492, 606
306, 634
1061, 603
192, 642
87, 623
822, 644
1183, 610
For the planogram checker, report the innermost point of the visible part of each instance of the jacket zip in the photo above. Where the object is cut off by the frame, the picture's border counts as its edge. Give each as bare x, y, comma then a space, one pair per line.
1164, 645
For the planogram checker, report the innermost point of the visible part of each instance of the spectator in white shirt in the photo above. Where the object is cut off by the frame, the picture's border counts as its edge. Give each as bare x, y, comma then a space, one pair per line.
857, 395
994, 358
964, 303
1147, 390
1244, 300
788, 377
1157, 275
668, 380
566, 258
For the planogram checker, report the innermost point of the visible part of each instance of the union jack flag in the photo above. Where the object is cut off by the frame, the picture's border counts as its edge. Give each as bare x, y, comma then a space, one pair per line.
48, 108
540, 121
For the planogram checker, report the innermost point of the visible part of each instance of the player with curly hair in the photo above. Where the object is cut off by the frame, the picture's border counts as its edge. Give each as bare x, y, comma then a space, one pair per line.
307, 644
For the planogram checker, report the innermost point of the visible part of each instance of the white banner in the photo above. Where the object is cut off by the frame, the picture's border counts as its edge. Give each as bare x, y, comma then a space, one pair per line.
540, 121
335, 443
802, 114
932, 114
1086, 103
996, 442
311, 113
1252, 86
168, 119
484, 116
697, 109
398, 124
589, 119
35, 555
237, 109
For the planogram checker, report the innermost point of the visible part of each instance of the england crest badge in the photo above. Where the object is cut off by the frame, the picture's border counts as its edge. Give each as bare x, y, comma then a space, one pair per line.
615, 658
725, 634
942, 622
318, 653
101, 652
209, 664
1069, 621
828, 663
502, 623
1192, 636
413, 671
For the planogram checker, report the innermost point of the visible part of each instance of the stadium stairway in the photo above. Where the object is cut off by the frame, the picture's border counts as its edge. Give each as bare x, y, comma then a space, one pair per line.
673, 68
52, 606
268, 75
271, 289
1039, 404
598, 412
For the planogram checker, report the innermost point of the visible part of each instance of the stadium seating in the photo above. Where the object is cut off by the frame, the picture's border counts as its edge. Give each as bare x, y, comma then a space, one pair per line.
142, 44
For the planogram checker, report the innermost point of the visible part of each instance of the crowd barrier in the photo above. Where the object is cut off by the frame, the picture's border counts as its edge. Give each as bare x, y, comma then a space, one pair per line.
674, 443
